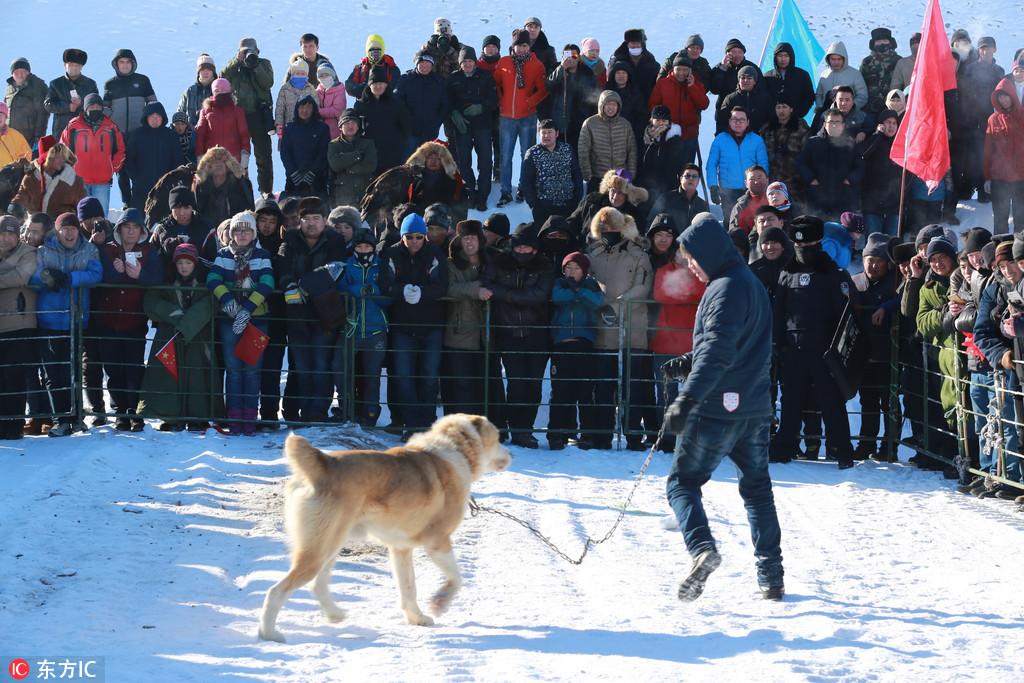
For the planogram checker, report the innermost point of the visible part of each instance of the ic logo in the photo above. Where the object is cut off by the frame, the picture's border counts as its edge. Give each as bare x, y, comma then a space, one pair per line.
18, 669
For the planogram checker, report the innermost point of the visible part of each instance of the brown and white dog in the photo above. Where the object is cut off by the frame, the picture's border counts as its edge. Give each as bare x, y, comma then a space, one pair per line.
406, 497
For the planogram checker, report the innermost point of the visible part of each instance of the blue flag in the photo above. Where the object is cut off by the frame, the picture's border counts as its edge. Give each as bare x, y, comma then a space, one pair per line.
791, 27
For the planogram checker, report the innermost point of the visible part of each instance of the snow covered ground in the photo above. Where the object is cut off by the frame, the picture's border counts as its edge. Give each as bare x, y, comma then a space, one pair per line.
154, 550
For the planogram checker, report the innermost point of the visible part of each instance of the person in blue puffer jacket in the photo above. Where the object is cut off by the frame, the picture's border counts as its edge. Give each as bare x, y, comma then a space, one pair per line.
732, 153
367, 326
576, 297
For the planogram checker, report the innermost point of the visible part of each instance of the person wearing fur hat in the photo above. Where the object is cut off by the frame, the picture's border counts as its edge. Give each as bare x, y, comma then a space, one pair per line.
66, 94
385, 119
17, 322
304, 150
789, 81
250, 78
473, 102
25, 96
615, 191
682, 203
330, 93
572, 94
182, 313
662, 152
130, 263
550, 176
153, 150
67, 266
520, 282
606, 141
222, 189
376, 58
97, 143
444, 47
240, 280
352, 158
184, 225
52, 187
295, 87
725, 74
877, 68
575, 298
809, 302
422, 90
436, 178
685, 97
191, 102
633, 50
619, 262
224, 124
880, 188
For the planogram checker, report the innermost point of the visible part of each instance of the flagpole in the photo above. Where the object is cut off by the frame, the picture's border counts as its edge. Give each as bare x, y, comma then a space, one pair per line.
771, 27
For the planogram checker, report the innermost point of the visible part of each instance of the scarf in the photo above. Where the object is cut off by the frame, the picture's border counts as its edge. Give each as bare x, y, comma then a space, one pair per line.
519, 62
589, 62
242, 256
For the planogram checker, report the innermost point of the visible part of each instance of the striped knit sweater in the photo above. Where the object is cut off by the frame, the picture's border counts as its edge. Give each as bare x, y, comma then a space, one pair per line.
254, 284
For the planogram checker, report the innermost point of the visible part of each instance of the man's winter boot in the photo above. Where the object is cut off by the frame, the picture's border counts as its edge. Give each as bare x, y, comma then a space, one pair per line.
773, 592
693, 585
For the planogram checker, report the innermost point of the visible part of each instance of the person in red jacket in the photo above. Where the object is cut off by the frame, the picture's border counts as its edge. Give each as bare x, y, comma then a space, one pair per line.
686, 97
222, 124
95, 140
1003, 160
678, 292
519, 78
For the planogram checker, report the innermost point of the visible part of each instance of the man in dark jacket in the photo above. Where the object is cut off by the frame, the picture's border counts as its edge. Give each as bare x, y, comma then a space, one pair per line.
750, 94
191, 102
980, 78
683, 204
251, 78
662, 154
784, 138
520, 281
185, 225
830, 169
622, 81
880, 189
572, 94
310, 261
66, 94
422, 92
550, 176
473, 102
415, 275
352, 159
386, 121
790, 80
877, 68
633, 50
304, 150
725, 74
26, 101
693, 49
809, 302
723, 408
539, 44
125, 96
151, 151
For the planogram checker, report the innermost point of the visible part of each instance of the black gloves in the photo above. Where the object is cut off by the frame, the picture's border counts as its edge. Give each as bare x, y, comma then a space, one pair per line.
678, 415
54, 279
679, 367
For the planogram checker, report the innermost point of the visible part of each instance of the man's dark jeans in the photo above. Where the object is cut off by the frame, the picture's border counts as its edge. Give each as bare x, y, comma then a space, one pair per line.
699, 450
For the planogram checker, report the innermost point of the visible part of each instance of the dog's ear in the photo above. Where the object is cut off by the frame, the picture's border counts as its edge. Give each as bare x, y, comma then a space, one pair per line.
483, 427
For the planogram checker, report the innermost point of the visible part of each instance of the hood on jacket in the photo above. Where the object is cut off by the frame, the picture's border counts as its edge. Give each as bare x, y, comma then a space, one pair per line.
607, 95
609, 216
135, 216
154, 108
620, 65
788, 49
212, 154
303, 100
837, 48
710, 245
1005, 85
124, 52
419, 157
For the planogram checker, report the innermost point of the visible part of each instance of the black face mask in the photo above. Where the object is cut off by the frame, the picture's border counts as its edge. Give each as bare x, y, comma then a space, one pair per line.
807, 253
522, 258
612, 238
365, 259
94, 116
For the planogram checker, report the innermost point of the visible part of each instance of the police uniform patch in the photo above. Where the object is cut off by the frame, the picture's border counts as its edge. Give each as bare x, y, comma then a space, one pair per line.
805, 279
798, 236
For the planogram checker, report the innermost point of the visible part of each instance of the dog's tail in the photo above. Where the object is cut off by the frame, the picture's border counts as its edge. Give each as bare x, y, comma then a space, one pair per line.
306, 460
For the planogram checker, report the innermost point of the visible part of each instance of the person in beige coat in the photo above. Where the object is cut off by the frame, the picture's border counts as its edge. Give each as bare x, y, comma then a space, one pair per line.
17, 319
621, 266
606, 142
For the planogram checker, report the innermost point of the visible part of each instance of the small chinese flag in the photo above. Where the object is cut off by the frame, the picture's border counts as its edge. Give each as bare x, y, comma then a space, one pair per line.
168, 355
251, 344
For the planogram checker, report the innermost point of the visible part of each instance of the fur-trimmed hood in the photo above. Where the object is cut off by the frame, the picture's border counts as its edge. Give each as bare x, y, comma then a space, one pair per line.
611, 217
419, 157
212, 154
634, 195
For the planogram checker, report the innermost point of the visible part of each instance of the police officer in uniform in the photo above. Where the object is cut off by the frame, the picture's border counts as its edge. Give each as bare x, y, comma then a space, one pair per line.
809, 302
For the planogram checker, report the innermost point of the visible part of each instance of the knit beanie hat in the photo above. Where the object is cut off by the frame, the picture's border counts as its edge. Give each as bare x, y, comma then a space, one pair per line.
181, 196
498, 224
927, 233
580, 259
660, 111
877, 245
437, 214
746, 71
89, 207
345, 214
772, 235
363, 236
66, 218
524, 235
243, 219
853, 222
221, 86
187, 251
378, 74
521, 38
491, 40
1003, 252
975, 239
695, 39
205, 61
467, 52
940, 245
413, 224
735, 42
682, 60
20, 63
778, 186
663, 222
1018, 247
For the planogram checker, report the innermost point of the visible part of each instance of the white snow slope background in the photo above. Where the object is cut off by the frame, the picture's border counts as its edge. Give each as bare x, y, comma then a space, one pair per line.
154, 550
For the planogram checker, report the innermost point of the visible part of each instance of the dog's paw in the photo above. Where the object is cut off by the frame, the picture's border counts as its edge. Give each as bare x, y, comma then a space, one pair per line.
441, 600
419, 619
335, 614
272, 634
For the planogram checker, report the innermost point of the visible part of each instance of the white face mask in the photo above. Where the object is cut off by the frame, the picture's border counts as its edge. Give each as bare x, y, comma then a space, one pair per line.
326, 81
635, 51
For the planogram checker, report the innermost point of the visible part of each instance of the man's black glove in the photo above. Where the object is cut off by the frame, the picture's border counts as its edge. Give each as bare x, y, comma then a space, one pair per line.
679, 367
716, 194
54, 279
677, 417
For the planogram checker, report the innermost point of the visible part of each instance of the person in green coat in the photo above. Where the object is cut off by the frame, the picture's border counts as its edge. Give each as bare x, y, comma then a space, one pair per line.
184, 313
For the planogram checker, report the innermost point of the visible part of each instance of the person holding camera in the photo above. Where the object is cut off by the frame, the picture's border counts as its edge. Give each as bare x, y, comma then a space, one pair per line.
251, 79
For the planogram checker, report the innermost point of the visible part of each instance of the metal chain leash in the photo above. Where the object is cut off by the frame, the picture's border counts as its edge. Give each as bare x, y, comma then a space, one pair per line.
475, 509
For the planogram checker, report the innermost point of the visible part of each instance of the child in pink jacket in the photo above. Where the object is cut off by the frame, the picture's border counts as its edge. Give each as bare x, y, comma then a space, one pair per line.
331, 94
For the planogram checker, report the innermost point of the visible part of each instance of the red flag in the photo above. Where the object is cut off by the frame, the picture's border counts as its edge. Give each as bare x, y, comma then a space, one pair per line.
921, 145
168, 356
251, 344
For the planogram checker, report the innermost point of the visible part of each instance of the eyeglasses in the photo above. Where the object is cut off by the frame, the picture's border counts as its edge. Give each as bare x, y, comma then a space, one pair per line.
241, 229
691, 176
742, 119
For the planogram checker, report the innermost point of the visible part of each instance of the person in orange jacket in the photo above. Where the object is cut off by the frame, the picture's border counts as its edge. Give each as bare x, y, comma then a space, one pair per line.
95, 140
519, 78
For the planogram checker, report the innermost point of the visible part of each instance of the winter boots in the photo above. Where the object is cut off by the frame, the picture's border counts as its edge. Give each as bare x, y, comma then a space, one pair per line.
693, 585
